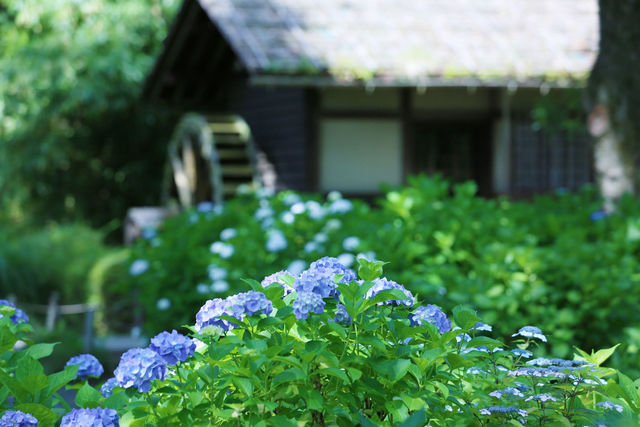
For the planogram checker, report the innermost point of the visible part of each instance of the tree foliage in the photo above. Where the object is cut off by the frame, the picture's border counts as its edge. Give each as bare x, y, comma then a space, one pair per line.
75, 139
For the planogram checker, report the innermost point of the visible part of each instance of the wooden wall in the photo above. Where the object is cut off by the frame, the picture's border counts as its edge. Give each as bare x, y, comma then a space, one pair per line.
277, 117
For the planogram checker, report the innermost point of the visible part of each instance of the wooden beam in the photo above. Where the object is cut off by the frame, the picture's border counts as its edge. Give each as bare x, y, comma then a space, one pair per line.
174, 45
408, 138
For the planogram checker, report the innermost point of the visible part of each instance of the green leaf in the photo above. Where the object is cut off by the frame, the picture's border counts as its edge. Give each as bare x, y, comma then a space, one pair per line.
366, 422
88, 397
417, 419
386, 295
369, 270
14, 386
244, 384
602, 355
464, 317
394, 370
39, 351
7, 339
62, 378
335, 372
314, 400
456, 361
253, 284
280, 421
486, 341
289, 375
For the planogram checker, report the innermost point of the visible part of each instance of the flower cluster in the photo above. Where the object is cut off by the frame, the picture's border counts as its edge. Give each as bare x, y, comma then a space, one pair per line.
95, 417
19, 316
18, 419
88, 365
138, 367
382, 284
342, 316
307, 302
531, 332
277, 278
138, 267
172, 347
432, 314
108, 386
239, 305
319, 278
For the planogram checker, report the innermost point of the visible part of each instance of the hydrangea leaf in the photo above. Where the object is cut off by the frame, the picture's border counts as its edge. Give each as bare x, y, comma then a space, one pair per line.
7, 339
369, 270
289, 375
464, 317
40, 350
417, 419
88, 397
244, 384
387, 295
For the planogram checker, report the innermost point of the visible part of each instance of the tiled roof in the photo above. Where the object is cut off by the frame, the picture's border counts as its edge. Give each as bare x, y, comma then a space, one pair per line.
411, 42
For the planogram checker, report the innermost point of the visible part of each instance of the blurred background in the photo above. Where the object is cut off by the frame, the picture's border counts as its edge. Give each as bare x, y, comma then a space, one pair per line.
155, 152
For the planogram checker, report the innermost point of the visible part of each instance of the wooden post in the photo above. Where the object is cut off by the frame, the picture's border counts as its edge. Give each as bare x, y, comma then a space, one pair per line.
52, 311
87, 339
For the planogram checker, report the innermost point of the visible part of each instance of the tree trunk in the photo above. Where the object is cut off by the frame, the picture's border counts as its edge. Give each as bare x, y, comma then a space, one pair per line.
613, 100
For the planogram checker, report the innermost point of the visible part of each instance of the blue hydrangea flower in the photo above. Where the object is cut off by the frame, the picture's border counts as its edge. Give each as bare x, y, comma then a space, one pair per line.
18, 419
341, 315
503, 410
88, 365
204, 207
346, 259
172, 347
518, 352
508, 391
209, 315
432, 314
542, 398
263, 212
138, 367
315, 210
320, 277
19, 316
95, 417
531, 332
216, 273
277, 278
228, 233
598, 215
108, 386
276, 241
138, 267
340, 206
482, 327
296, 267
610, 405
382, 284
250, 303
350, 243
225, 250
307, 302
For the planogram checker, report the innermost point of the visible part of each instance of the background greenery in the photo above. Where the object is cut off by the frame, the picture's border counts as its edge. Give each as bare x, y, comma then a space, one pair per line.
76, 140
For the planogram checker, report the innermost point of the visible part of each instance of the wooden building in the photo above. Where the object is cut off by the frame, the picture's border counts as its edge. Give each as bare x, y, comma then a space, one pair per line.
347, 94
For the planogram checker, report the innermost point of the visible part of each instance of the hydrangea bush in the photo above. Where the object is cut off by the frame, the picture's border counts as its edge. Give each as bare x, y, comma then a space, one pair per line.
516, 262
359, 351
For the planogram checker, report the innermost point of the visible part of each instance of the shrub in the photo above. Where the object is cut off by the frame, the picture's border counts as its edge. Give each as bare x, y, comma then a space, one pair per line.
34, 263
369, 356
544, 262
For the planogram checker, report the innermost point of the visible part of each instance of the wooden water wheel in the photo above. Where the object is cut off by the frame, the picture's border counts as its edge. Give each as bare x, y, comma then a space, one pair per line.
209, 158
